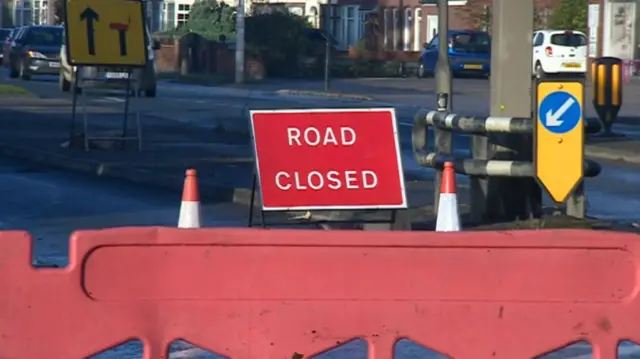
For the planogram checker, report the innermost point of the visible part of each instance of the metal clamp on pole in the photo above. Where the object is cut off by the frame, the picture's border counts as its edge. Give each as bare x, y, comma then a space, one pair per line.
606, 76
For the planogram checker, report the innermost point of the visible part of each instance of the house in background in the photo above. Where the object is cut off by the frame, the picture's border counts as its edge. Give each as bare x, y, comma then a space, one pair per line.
400, 26
169, 14
25, 12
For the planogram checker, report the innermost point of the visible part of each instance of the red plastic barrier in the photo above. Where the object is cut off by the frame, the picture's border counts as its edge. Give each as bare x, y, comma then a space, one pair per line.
270, 294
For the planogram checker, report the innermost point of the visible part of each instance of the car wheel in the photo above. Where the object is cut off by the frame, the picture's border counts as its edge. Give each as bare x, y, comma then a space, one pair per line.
63, 83
540, 74
24, 72
150, 92
420, 70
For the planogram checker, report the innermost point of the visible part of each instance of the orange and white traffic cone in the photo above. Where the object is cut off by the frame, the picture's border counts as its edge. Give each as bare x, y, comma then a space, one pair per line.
448, 217
190, 206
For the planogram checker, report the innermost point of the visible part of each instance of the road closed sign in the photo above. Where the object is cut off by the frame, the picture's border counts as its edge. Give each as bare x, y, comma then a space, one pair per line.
328, 159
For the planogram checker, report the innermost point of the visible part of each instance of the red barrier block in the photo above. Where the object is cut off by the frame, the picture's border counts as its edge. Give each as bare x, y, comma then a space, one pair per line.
269, 294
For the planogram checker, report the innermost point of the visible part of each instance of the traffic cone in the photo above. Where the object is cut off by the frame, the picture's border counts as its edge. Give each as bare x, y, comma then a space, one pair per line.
190, 206
448, 217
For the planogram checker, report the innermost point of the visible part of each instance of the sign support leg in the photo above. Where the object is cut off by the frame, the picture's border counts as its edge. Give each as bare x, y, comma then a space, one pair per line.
576, 203
252, 201
126, 108
85, 114
74, 106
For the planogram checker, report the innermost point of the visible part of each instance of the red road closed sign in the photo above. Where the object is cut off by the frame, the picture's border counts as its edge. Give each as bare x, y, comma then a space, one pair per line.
328, 159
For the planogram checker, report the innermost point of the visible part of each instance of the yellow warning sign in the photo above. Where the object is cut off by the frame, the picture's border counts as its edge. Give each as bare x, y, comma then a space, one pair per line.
559, 137
105, 32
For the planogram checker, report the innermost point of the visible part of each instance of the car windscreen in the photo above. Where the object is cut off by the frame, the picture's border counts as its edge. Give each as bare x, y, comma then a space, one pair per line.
477, 43
44, 36
568, 39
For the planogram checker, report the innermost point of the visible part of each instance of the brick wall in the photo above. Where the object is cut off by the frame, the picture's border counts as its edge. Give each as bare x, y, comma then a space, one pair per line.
212, 58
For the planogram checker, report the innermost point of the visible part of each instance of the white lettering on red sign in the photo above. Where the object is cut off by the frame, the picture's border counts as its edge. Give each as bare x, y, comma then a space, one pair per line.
316, 159
312, 136
334, 180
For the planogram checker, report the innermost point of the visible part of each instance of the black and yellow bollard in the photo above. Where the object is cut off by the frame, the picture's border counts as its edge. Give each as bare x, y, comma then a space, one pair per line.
606, 75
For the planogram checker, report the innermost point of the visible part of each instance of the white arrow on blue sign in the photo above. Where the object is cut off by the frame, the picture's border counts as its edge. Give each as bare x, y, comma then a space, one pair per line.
559, 112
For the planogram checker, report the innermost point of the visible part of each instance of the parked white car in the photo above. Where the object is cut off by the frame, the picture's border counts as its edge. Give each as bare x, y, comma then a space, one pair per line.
559, 51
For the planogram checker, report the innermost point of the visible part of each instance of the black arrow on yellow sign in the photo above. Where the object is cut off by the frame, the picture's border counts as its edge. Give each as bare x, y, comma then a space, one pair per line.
89, 15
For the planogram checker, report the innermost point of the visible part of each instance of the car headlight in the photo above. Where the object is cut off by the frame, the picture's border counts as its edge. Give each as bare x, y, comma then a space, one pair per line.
36, 55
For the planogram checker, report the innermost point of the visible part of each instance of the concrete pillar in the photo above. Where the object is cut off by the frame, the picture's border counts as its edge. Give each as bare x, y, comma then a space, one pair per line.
511, 91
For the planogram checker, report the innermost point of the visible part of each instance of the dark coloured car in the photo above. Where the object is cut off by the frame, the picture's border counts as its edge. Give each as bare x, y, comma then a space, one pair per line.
469, 53
4, 34
36, 51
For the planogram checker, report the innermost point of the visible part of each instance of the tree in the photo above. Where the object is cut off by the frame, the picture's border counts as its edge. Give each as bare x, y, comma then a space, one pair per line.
477, 14
211, 19
279, 40
570, 15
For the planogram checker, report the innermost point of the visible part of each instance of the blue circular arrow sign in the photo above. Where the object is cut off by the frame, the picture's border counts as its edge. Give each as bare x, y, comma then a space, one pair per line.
560, 112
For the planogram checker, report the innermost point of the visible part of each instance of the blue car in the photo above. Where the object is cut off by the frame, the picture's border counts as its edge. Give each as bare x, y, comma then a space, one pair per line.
469, 54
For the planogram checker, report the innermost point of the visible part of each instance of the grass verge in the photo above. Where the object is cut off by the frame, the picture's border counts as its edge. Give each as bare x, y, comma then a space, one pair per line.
6, 89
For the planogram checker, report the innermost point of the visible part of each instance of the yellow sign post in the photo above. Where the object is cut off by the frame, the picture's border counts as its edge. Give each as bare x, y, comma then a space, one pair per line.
559, 137
105, 32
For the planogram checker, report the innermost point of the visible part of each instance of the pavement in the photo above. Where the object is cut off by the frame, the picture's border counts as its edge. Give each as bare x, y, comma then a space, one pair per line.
182, 129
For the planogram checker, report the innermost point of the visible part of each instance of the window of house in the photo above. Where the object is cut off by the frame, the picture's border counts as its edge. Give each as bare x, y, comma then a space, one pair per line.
351, 25
36, 12
296, 10
363, 17
44, 12
395, 27
408, 26
171, 16
183, 14
417, 46
27, 16
314, 19
385, 28
336, 25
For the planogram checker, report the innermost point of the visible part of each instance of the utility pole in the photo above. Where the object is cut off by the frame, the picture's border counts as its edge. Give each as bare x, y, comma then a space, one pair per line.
443, 68
511, 96
240, 42
443, 139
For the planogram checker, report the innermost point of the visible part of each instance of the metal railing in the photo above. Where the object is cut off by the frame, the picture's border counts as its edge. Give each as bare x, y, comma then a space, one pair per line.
447, 123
